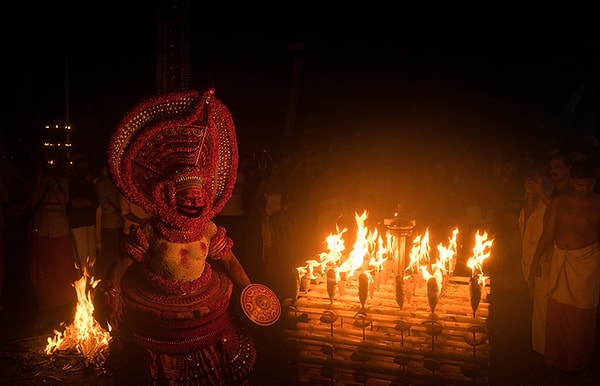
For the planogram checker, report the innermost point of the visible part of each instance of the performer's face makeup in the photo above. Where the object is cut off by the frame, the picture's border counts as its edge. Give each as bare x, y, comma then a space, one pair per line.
190, 201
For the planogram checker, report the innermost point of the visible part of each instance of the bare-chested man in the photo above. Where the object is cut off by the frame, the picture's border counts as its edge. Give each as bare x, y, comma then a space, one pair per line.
572, 227
538, 196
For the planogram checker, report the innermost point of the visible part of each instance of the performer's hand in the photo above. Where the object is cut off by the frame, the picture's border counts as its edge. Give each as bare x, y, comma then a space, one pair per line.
106, 305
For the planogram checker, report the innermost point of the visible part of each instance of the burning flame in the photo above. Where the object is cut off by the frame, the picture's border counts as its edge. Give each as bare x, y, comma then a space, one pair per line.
481, 251
419, 254
85, 334
447, 254
372, 251
360, 249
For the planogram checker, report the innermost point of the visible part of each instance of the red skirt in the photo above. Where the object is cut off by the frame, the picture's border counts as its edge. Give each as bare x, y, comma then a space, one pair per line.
174, 339
570, 333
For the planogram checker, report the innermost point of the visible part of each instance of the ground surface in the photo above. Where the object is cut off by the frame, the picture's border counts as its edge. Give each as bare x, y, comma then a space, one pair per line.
23, 362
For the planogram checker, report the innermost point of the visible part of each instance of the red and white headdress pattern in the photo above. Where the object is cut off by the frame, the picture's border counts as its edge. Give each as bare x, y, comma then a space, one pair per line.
172, 141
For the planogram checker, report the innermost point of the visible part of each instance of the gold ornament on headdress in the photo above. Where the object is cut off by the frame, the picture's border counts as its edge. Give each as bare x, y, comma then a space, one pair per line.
172, 142
184, 182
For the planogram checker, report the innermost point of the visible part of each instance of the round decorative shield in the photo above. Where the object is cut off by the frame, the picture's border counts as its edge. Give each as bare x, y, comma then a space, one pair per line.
260, 304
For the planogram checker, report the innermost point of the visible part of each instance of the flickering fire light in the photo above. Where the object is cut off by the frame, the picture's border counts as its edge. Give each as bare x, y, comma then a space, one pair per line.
368, 263
481, 251
442, 317
84, 335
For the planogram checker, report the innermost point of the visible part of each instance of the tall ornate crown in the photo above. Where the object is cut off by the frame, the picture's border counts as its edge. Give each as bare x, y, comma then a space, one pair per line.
171, 141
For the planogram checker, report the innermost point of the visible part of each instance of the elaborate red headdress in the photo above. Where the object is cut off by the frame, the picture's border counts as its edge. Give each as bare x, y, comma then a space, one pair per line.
172, 141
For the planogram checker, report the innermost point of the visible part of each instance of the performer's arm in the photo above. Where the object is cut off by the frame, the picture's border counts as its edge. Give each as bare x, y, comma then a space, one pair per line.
235, 270
220, 249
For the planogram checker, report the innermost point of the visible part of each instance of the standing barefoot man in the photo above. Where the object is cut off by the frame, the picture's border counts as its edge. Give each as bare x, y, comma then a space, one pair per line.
572, 229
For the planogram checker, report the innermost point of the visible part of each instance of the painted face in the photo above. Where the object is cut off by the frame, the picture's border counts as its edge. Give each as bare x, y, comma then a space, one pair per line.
190, 202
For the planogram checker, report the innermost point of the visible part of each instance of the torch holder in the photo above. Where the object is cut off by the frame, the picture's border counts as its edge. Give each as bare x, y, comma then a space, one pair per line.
400, 227
393, 348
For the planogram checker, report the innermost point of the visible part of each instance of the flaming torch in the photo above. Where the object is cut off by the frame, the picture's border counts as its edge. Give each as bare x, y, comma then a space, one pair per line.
363, 290
419, 257
331, 284
481, 251
433, 292
301, 281
475, 288
341, 282
399, 289
447, 254
434, 286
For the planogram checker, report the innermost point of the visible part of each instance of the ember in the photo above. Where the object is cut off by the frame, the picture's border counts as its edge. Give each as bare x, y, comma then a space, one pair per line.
85, 335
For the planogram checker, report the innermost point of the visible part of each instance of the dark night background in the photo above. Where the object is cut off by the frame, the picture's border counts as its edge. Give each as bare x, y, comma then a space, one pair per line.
395, 78
416, 86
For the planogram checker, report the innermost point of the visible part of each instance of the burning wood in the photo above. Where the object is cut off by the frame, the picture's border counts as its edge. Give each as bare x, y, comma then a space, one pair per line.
84, 335
475, 287
481, 251
447, 254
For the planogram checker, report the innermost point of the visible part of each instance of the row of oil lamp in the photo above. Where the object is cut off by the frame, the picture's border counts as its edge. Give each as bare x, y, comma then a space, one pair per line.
370, 262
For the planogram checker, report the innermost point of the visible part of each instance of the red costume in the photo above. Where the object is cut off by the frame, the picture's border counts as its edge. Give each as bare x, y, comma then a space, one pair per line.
171, 315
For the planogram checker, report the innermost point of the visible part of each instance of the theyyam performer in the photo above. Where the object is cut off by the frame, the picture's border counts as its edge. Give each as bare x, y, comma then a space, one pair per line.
168, 300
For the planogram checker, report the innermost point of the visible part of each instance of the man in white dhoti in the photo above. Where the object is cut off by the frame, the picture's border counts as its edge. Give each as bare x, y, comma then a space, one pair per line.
531, 225
538, 196
572, 226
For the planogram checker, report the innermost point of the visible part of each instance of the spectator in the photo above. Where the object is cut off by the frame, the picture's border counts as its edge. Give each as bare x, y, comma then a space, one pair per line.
16, 236
133, 216
270, 197
111, 222
82, 208
531, 224
571, 236
52, 262
559, 172
231, 217
3, 200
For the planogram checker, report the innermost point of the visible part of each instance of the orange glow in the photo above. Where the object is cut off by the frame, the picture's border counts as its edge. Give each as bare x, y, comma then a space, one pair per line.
419, 254
85, 334
447, 254
372, 253
481, 251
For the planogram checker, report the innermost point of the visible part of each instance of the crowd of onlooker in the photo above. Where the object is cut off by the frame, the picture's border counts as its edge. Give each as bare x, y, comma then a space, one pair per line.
297, 198
285, 202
